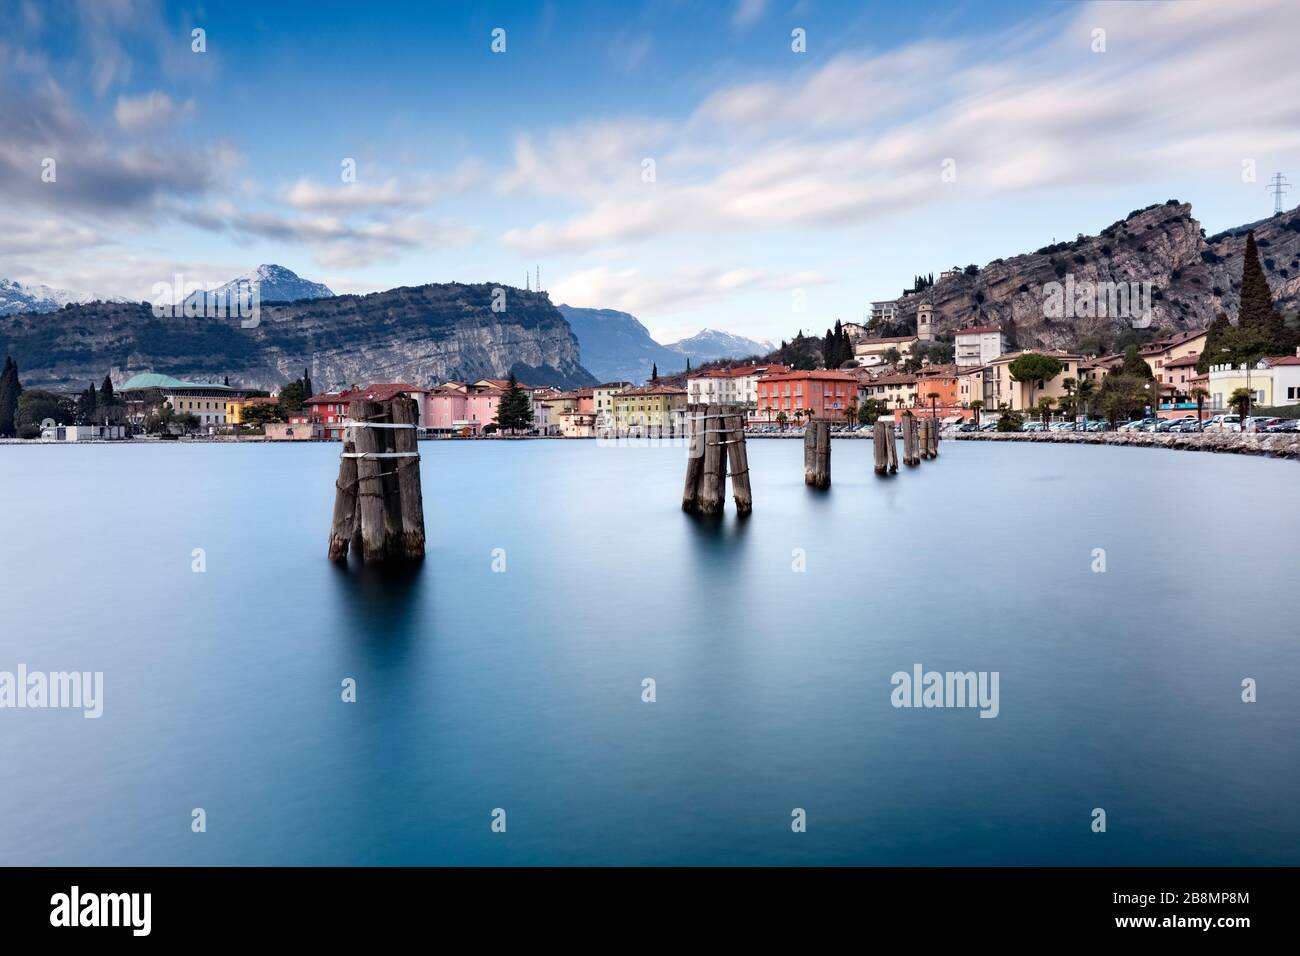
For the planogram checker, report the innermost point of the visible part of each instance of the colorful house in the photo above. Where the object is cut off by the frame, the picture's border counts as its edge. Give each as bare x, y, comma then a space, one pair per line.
819, 394
651, 411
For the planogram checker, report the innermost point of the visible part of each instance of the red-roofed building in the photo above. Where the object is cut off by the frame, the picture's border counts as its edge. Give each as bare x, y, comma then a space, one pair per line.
817, 394
730, 386
330, 409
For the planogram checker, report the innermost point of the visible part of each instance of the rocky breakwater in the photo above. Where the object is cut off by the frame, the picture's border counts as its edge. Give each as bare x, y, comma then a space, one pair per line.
1284, 445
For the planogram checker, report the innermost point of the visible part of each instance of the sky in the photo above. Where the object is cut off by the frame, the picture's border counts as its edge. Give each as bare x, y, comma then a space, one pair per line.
686, 162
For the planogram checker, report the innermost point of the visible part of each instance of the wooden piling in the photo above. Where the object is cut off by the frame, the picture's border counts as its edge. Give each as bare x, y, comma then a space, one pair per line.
694, 456
891, 448
345, 505
817, 454
911, 443
884, 438
410, 497
713, 482
738, 457
378, 505
934, 438
370, 482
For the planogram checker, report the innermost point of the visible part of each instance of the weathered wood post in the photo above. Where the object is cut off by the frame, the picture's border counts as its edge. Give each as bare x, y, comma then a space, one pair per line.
378, 506
891, 447
934, 438
713, 483
410, 497
884, 437
694, 456
911, 455
370, 482
817, 454
343, 523
738, 458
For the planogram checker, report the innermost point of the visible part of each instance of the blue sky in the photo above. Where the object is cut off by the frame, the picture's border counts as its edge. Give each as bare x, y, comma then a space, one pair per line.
789, 189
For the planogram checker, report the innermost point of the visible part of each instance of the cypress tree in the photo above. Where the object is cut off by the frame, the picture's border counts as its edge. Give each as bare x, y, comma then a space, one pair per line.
654, 372
1257, 310
10, 389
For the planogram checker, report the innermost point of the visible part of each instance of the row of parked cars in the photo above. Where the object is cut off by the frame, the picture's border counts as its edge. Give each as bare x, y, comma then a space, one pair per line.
1188, 423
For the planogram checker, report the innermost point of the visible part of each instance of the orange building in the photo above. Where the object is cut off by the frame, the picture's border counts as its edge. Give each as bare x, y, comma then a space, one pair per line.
941, 379
828, 394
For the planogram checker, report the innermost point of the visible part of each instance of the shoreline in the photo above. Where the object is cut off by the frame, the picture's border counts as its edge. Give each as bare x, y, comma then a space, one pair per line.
1226, 443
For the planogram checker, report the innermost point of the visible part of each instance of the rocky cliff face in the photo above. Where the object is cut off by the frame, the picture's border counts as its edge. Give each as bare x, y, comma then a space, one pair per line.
423, 334
1192, 278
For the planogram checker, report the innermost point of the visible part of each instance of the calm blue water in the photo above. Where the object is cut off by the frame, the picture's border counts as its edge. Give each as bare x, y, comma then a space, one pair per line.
522, 689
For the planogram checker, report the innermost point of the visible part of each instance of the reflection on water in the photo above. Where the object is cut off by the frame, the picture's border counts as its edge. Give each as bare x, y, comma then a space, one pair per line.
772, 641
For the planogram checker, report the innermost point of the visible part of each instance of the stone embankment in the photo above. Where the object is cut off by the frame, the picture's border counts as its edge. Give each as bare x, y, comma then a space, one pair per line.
1282, 445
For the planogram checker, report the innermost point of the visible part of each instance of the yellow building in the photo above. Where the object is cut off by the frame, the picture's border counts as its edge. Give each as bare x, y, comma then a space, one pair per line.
1226, 379
235, 407
652, 410
1024, 396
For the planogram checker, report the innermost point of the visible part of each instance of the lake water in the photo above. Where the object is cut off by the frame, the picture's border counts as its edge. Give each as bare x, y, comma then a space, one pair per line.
522, 690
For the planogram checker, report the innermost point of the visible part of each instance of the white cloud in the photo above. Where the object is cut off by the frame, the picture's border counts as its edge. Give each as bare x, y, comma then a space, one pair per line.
747, 13
862, 138
631, 290
149, 110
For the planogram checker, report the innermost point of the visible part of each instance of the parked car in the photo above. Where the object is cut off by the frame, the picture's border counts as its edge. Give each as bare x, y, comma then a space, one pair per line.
1185, 425
989, 427
1097, 426
1033, 427
1285, 425
1260, 423
1223, 423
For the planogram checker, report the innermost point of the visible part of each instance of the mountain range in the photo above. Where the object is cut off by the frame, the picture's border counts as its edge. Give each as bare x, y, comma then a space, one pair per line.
424, 334
436, 332
1193, 278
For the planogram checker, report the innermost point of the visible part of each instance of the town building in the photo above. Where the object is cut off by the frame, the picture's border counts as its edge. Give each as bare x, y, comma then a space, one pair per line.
925, 322
1271, 381
655, 410
897, 390
975, 384
603, 402
1170, 348
147, 392
730, 386
1024, 396
52, 432
330, 409
815, 394
291, 431
885, 310
941, 380
235, 407
978, 345
872, 351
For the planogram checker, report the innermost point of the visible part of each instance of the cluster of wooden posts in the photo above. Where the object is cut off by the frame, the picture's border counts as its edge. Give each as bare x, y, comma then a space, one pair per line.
378, 505
716, 443
716, 436
920, 440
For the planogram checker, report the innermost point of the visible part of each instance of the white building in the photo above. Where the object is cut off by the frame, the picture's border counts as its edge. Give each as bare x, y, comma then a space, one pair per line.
978, 345
884, 311
730, 386
53, 432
